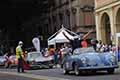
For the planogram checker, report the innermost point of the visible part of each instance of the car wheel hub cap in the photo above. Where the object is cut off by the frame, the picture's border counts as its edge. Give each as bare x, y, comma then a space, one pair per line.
64, 71
76, 71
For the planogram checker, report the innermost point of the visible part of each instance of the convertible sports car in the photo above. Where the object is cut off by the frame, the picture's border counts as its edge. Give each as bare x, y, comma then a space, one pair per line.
86, 59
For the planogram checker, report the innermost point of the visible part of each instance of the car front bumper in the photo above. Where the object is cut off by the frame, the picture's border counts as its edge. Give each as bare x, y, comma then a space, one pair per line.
98, 67
45, 64
2, 63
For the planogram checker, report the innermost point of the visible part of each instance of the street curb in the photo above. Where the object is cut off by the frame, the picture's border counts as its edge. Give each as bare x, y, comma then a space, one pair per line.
32, 76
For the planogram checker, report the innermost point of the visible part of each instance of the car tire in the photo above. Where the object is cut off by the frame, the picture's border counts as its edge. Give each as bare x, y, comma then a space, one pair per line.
94, 71
50, 67
76, 70
6, 65
64, 69
110, 71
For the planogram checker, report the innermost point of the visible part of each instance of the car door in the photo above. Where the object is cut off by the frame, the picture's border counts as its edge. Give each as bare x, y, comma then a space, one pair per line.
68, 62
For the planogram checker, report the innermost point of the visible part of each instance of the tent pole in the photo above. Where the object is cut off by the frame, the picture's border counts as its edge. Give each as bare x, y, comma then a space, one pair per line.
70, 31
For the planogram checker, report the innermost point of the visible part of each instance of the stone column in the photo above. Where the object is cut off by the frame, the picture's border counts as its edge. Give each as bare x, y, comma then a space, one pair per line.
98, 29
112, 22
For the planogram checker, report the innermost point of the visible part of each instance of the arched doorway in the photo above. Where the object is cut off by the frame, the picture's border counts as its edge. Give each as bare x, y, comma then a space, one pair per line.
118, 21
105, 29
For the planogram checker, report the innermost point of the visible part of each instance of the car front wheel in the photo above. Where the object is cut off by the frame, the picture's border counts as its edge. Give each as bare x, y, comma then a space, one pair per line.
50, 67
76, 70
111, 71
6, 65
64, 69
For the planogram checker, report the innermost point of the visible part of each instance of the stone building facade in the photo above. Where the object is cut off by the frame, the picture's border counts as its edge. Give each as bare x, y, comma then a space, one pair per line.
76, 15
107, 14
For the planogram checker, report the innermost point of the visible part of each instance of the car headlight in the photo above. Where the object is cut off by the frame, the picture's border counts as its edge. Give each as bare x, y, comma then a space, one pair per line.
32, 62
83, 60
112, 58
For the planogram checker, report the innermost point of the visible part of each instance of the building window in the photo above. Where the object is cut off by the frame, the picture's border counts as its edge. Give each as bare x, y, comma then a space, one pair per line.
74, 10
47, 29
60, 2
50, 25
88, 18
87, 14
54, 19
61, 18
68, 17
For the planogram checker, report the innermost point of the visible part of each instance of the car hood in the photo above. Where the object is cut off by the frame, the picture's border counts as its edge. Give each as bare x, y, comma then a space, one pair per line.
43, 59
95, 58
2, 59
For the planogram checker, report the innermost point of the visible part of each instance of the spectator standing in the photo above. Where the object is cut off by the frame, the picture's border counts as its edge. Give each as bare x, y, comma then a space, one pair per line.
84, 44
94, 44
6, 56
56, 57
59, 56
99, 45
114, 49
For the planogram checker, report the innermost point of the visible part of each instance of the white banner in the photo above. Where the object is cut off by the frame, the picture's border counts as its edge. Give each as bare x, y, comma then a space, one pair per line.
36, 43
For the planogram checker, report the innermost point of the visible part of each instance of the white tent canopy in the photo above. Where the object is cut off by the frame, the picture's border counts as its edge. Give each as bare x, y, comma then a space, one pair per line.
59, 37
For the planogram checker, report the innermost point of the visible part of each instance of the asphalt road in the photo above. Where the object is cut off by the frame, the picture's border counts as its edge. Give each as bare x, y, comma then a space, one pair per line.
12, 77
58, 73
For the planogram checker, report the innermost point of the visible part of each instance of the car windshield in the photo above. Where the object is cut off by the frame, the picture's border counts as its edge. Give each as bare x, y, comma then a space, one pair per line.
34, 55
1, 57
83, 50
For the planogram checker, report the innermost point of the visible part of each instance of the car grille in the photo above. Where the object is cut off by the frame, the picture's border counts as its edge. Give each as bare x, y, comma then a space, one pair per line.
45, 62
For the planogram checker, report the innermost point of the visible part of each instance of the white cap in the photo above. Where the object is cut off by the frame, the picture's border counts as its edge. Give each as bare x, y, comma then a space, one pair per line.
20, 42
46, 49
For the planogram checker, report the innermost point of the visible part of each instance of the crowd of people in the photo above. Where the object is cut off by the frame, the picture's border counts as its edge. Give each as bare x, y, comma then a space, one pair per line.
58, 53
78, 42
67, 49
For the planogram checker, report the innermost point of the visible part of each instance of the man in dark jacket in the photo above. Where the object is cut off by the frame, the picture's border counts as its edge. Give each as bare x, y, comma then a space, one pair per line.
76, 42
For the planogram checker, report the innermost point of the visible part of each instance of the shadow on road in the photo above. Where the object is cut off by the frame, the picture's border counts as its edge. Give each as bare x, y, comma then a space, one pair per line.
99, 73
